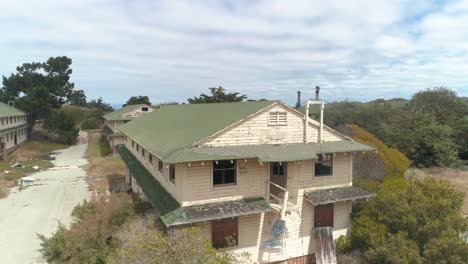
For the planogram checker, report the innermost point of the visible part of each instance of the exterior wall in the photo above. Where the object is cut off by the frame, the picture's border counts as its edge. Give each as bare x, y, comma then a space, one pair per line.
256, 230
252, 179
12, 121
174, 188
257, 131
9, 138
198, 188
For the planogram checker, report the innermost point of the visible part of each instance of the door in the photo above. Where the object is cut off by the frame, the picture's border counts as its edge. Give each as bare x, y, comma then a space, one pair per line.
323, 215
279, 176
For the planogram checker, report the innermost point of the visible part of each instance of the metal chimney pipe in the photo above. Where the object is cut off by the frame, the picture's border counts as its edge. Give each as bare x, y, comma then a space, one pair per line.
317, 93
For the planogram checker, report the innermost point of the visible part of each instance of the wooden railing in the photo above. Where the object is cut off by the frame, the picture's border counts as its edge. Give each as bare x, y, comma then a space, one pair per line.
282, 201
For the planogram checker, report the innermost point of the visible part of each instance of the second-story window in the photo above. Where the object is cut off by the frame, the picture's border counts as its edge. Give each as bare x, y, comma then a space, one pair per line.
324, 165
11, 120
133, 144
143, 152
160, 165
150, 158
224, 173
172, 173
2, 121
138, 147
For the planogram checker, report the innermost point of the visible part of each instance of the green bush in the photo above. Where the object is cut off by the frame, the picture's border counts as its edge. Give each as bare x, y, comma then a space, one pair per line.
343, 245
104, 147
91, 123
394, 249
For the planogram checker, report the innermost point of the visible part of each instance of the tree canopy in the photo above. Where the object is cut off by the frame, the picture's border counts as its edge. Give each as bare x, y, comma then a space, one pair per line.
138, 100
218, 95
37, 88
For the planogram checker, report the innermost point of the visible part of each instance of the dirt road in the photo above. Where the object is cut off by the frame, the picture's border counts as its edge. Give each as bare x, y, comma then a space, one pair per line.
39, 208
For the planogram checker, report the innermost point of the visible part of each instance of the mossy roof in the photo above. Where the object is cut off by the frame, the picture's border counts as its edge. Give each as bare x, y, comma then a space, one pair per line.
11, 129
120, 113
217, 210
172, 128
7, 110
333, 195
161, 200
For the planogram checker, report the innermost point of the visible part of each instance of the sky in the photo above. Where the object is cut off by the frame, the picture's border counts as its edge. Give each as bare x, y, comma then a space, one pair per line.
173, 50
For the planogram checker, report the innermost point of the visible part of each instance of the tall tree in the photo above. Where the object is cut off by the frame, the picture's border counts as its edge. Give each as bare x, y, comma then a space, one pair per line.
138, 100
78, 97
218, 95
100, 104
442, 102
46, 85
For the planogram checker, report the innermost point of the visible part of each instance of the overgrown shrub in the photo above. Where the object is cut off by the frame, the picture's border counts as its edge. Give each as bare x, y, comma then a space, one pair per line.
104, 147
63, 124
414, 214
91, 123
343, 245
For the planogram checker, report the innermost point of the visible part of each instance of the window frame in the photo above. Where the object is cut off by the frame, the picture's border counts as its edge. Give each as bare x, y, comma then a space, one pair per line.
172, 173
160, 165
332, 160
220, 226
236, 169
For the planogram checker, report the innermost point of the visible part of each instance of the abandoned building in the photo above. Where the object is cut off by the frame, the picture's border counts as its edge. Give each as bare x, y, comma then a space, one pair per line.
13, 129
257, 177
119, 117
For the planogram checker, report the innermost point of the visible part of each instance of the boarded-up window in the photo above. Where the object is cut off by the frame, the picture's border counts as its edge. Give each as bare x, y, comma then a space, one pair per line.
323, 215
277, 118
324, 165
224, 172
225, 233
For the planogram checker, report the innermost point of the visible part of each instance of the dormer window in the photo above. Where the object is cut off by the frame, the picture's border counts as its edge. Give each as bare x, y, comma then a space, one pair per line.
277, 118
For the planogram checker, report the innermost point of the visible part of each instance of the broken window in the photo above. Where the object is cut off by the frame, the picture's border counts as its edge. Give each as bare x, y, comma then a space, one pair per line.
172, 173
277, 118
224, 172
225, 232
323, 215
324, 165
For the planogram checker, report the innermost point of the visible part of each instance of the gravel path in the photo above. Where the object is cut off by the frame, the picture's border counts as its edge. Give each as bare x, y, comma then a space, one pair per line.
39, 208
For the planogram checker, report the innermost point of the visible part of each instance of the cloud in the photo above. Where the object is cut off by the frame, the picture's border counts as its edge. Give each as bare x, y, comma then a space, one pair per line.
171, 50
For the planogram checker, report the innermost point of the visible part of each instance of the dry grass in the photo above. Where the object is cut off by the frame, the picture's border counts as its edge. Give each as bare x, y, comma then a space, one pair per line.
101, 170
458, 178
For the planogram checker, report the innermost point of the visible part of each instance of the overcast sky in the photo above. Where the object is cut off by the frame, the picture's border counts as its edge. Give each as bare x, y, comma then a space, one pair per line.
172, 50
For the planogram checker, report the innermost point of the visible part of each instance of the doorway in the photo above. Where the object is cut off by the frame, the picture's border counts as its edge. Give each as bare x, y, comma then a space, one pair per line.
323, 215
278, 176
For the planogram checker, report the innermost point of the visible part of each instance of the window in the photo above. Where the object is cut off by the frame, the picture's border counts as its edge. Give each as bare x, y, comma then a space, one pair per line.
160, 165
225, 233
323, 215
172, 173
277, 118
2, 121
150, 158
324, 165
143, 152
278, 168
138, 147
11, 120
6, 120
224, 172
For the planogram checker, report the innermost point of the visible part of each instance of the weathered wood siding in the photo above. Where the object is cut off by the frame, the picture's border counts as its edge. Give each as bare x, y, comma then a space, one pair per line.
174, 188
198, 187
257, 131
9, 138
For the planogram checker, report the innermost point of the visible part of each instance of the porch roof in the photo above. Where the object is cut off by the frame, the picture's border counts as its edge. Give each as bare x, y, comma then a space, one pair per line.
325, 196
213, 211
267, 153
11, 129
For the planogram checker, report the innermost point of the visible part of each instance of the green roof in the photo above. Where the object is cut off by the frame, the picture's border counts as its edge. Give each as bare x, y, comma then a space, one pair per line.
173, 128
11, 129
268, 153
159, 198
119, 114
7, 110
